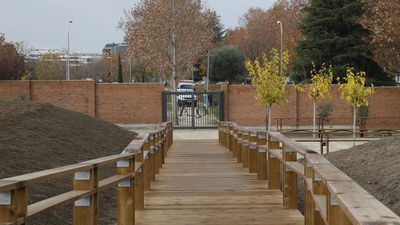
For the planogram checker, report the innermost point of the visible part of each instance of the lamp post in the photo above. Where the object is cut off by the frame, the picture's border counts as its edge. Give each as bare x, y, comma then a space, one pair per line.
68, 77
281, 50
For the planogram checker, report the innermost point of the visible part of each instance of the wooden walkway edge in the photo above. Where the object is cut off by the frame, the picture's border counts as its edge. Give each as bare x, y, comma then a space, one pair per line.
201, 183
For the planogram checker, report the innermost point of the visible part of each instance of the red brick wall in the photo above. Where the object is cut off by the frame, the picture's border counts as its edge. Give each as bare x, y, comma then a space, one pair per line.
11, 89
116, 103
73, 95
243, 108
141, 103
129, 103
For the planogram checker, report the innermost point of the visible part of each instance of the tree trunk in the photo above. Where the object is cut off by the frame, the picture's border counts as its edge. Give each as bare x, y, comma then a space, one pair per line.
269, 117
314, 119
354, 121
266, 117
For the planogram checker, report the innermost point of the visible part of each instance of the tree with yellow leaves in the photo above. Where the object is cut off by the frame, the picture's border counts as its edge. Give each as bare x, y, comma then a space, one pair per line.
318, 89
354, 91
270, 86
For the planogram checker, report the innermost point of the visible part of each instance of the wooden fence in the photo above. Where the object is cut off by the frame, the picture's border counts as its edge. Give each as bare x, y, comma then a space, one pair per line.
137, 166
331, 197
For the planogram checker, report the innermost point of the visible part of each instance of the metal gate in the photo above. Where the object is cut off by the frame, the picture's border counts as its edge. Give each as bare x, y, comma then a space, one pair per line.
193, 110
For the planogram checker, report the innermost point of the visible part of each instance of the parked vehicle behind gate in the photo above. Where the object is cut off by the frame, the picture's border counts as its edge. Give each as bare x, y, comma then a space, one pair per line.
186, 100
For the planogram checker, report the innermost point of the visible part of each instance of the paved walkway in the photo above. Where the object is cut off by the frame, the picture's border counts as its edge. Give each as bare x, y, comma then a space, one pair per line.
201, 183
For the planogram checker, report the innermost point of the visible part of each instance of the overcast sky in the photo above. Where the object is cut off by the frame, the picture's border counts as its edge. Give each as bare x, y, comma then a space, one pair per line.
43, 23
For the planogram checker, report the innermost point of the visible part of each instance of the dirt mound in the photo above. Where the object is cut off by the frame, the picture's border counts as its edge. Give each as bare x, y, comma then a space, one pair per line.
37, 136
375, 166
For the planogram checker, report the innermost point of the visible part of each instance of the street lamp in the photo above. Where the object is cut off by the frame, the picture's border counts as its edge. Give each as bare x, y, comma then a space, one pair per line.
281, 50
68, 77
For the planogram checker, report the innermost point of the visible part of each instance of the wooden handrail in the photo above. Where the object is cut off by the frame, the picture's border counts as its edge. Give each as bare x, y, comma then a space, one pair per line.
133, 164
331, 197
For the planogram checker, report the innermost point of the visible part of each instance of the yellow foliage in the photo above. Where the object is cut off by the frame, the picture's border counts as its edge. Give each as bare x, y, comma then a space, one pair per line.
321, 79
270, 86
26, 76
354, 91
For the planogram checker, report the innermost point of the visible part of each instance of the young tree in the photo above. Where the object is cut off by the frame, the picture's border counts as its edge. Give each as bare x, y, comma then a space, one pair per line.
227, 63
354, 92
165, 35
270, 86
334, 36
318, 89
12, 66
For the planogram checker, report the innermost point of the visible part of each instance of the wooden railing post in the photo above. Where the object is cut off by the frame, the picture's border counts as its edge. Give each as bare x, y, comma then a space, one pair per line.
230, 141
245, 149
317, 189
253, 152
85, 209
152, 157
146, 166
234, 142
308, 200
13, 206
152, 160
126, 193
163, 147
333, 210
139, 182
224, 134
239, 146
262, 155
289, 179
273, 165
219, 132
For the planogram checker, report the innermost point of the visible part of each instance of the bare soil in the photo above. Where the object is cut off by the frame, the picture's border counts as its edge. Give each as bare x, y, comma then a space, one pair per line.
374, 165
37, 136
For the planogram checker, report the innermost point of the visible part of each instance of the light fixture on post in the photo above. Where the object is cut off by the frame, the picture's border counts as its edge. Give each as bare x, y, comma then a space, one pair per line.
68, 76
281, 50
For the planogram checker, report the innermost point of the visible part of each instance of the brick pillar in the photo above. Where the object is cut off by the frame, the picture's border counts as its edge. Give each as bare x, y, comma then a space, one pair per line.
225, 89
91, 96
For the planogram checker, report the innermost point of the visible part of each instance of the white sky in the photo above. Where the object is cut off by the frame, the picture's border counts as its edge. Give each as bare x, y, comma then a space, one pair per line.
43, 23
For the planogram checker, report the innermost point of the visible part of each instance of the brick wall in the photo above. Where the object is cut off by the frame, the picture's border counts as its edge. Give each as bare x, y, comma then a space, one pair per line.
141, 103
116, 103
242, 107
129, 103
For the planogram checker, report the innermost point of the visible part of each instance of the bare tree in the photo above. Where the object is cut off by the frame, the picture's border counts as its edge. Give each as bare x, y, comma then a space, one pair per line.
166, 35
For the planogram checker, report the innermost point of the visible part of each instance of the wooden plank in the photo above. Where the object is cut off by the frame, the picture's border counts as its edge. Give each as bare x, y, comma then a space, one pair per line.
106, 183
296, 166
200, 183
320, 203
56, 202
36, 177
277, 153
359, 206
327, 171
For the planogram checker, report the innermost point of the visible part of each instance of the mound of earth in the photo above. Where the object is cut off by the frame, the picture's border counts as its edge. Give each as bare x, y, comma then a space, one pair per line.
376, 167
38, 136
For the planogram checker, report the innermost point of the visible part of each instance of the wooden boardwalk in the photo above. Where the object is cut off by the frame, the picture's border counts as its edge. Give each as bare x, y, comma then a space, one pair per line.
201, 183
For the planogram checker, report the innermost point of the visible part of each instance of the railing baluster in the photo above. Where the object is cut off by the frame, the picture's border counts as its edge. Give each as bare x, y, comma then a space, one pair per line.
253, 152
13, 205
262, 155
139, 182
245, 149
289, 179
126, 193
273, 165
85, 209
